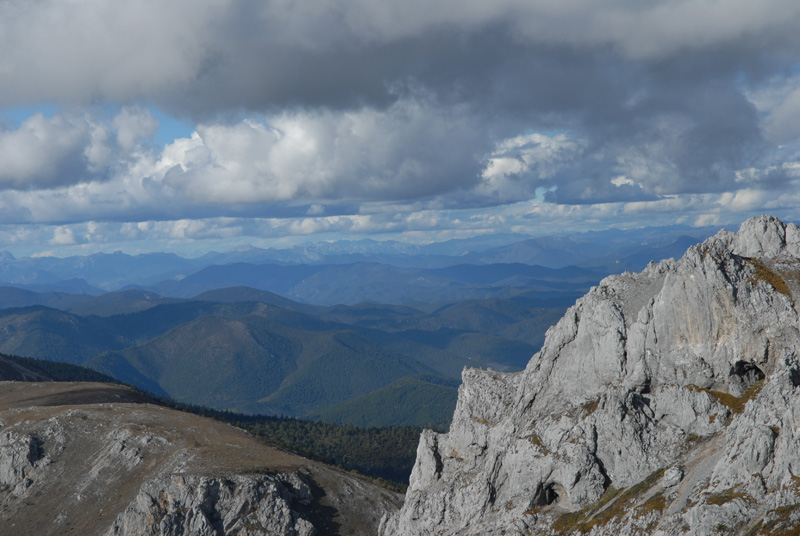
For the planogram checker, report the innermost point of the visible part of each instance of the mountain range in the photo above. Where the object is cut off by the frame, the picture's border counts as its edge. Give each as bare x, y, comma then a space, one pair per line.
365, 342
253, 351
662, 402
604, 252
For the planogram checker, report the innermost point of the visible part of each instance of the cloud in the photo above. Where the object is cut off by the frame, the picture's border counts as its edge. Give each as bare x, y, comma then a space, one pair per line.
70, 148
653, 93
520, 165
63, 236
97, 49
621, 181
206, 56
45, 152
84, 51
416, 155
348, 116
132, 125
411, 150
415, 224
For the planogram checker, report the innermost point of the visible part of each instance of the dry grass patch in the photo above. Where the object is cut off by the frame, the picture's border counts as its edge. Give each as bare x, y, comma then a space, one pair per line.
762, 273
736, 404
781, 522
614, 504
727, 496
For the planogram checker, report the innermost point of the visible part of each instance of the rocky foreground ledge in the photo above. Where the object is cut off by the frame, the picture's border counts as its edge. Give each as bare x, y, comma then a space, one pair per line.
664, 402
97, 459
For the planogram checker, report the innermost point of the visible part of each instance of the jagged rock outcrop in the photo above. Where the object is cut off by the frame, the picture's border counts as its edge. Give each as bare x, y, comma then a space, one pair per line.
663, 402
98, 459
202, 506
20, 456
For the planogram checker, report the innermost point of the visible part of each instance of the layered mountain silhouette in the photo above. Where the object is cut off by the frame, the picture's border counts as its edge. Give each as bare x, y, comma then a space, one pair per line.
253, 351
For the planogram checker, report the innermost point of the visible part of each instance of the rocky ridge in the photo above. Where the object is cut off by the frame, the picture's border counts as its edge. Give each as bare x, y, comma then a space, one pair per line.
663, 402
97, 459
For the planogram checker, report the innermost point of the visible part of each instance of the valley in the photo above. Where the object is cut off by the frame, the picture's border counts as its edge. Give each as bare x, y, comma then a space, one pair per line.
363, 343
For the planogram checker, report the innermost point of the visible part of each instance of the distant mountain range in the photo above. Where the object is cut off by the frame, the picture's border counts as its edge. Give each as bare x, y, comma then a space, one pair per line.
382, 283
367, 333
602, 252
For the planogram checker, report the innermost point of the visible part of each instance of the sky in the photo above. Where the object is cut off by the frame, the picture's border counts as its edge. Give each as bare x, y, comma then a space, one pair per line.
190, 125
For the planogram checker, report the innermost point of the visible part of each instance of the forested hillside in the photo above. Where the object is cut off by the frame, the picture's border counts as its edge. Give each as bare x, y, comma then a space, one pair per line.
252, 351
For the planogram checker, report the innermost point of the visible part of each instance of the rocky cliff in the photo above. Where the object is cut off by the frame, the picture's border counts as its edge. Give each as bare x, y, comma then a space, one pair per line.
663, 402
97, 459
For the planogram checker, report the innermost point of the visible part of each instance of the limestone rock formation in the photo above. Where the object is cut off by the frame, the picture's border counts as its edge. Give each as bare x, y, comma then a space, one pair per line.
663, 402
203, 506
98, 459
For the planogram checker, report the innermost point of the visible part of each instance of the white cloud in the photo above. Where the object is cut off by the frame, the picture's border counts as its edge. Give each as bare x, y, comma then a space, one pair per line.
410, 150
399, 222
706, 219
517, 164
778, 101
38, 153
63, 236
377, 116
98, 153
743, 200
71, 148
621, 181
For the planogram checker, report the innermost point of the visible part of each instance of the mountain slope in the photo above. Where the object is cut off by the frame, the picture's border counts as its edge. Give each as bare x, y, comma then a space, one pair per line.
663, 402
97, 459
335, 367
272, 355
412, 400
215, 361
55, 335
252, 362
14, 370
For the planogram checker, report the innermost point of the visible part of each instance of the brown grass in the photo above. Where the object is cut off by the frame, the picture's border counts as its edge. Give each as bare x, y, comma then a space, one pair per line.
656, 503
736, 404
783, 525
614, 504
591, 406
727, 496
762, 273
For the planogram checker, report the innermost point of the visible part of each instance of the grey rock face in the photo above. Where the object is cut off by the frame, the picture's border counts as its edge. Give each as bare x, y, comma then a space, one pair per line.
20, 456
664, 402
203, 506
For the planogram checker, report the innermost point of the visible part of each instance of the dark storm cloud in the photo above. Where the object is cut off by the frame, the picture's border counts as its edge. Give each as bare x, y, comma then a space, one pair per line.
368, 102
